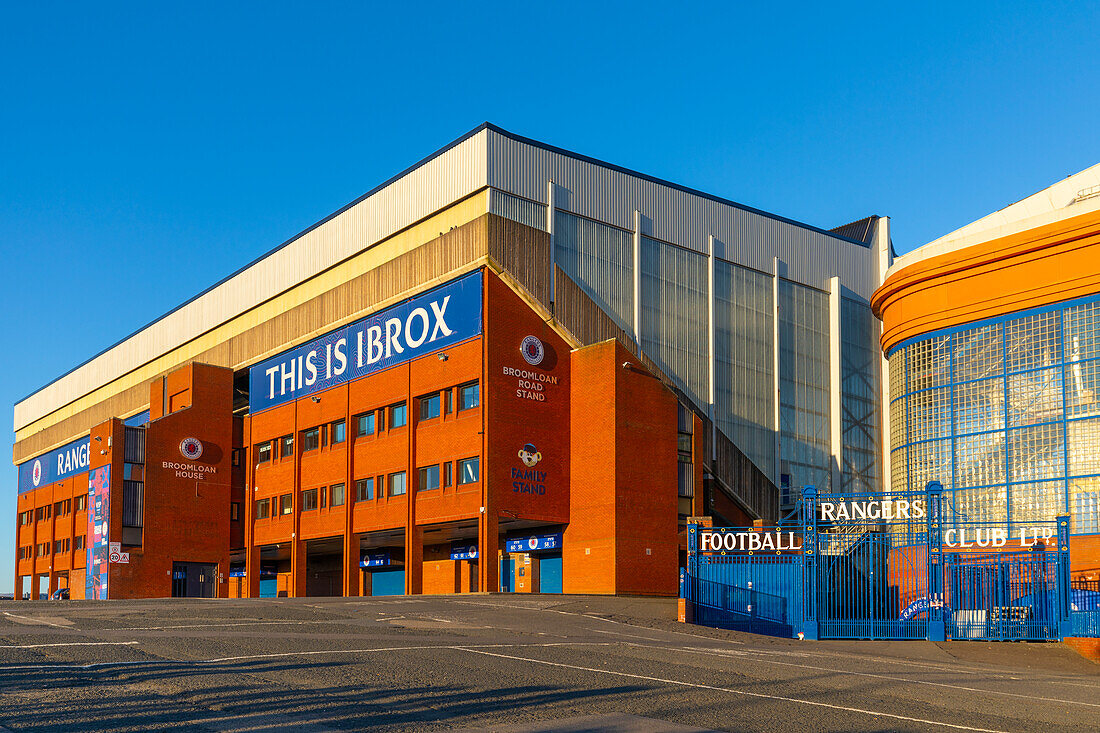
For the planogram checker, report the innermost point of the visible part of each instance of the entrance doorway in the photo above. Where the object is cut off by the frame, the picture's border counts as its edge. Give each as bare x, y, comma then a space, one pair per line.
194, 580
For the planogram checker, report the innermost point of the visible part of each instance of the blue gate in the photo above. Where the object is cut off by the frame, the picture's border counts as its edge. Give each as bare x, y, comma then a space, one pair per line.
887, 566
1003, 596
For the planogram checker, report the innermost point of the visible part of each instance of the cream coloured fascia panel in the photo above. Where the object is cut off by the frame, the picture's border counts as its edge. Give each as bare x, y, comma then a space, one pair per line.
460, 213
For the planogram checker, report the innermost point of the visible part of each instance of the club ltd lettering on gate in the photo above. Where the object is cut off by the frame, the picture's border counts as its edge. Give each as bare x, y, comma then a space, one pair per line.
433, 320
714, 541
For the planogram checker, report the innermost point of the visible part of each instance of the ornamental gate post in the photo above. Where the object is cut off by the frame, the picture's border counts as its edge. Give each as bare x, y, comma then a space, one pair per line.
1065, 620
687, 580
937, 628
809, 563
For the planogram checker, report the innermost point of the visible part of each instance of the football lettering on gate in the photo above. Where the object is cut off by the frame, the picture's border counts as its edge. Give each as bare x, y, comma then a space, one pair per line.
777, 541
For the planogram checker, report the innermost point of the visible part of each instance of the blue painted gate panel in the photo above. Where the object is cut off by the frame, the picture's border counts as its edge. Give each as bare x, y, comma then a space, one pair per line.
387, 583
550, 577
1003, 596
757, 593
507, 574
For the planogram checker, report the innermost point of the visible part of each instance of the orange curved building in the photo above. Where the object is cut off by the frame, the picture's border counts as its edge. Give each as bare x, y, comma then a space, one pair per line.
992, 335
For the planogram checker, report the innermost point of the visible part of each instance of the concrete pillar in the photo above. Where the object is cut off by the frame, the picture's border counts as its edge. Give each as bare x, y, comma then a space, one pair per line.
297, 564
353, 575
414, 559
252, 569
488, 545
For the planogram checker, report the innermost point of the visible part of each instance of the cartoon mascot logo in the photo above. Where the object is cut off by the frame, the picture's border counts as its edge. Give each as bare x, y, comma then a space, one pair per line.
532, 350
191, 449
530, 455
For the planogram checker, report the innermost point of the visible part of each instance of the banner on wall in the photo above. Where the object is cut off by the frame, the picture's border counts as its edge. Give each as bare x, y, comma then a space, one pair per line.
99, 547
428, 322
56, 465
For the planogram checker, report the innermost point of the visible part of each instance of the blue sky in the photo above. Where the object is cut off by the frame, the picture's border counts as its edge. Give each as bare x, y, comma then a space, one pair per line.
145, 154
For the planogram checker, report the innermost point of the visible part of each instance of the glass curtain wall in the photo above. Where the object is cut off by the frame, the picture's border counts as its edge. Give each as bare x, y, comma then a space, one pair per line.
859, 399
601, 259
743, 371
805, 457
1005, 414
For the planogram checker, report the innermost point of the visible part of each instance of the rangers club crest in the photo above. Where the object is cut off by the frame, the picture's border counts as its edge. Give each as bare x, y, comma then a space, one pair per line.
36, 473
532, 350
191, 449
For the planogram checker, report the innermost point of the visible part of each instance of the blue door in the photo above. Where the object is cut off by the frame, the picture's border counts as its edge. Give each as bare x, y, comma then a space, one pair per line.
550, 573
387, 583
507, 574
269, 588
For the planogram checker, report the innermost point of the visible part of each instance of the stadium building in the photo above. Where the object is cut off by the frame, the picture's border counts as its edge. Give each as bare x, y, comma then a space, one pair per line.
509, 367
992, 334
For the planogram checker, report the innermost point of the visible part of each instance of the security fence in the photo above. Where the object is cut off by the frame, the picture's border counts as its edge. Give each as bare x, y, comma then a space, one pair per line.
888, 566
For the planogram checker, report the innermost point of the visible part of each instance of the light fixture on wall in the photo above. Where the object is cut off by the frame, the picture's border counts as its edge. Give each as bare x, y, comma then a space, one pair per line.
442, 357
98, 439
315, 399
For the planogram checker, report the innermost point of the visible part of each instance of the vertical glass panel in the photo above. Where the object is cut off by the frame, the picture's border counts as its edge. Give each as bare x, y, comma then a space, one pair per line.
861, 423
1033, 341
930, 414
978, 353
981, 505
930, 461
1036, 453
1083, 388
744, 376
1084, 505
980, 460
601, 259
899, 469
899, 418
929, 363
1082, 336
1084, 447
980, 406
1035, 502
1035, 397
674, 314
804, 385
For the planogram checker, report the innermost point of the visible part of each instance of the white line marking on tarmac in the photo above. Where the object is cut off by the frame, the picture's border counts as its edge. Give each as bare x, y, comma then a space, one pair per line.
219, 626
282, 655
731, 691
743, 654
71, 643
37, 620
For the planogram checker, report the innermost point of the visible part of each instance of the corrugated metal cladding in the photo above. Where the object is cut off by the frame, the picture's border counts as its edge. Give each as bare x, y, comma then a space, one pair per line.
611, 196
450, 176
513, 207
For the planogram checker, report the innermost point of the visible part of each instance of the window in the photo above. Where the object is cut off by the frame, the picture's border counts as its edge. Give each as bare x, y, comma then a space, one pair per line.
24, 518
24, 553
469, 395
398, 415
61, 546
429, 478
43, 549
397, 483
338, 432
79, 543
468, 471
336, 495
429, 406
311, 439
263, 508
309, 500
364, 424
381, 420
236, 454
82, 502
286, 504
286, 446
448, 399
263, 452
59, 509
235, 511
448, 470
364, 489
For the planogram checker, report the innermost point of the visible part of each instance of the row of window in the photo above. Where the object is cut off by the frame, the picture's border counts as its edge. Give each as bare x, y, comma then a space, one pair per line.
42, 549
335, 495
61, 508
370, 423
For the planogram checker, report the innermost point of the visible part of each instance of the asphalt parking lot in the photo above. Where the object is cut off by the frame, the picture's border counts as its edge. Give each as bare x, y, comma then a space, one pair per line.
501, 663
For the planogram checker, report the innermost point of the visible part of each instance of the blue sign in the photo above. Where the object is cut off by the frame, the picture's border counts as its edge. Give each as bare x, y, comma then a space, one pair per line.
463, 551
236, 571
534, 543
58, 464
374, 559
923, 604
433, 320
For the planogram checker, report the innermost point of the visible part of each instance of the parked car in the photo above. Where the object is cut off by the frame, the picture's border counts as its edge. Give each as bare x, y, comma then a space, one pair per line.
61, 594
